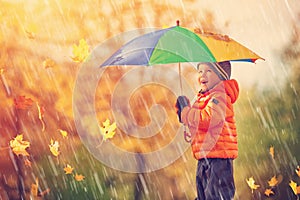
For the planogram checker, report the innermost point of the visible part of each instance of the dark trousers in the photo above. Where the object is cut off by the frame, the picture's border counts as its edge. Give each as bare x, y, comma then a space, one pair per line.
214, 179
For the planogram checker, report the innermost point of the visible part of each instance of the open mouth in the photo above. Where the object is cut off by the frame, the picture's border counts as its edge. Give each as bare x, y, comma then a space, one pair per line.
204, 82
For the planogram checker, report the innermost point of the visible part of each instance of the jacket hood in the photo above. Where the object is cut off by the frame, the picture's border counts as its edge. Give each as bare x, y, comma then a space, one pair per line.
232, 89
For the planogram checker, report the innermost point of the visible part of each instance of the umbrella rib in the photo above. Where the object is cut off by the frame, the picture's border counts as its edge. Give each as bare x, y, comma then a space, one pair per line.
156, 43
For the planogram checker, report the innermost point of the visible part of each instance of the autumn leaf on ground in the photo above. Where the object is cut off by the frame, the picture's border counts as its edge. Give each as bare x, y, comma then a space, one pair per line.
21, 102
79, 177
108, 130
298, 171
41, 111
35, 188
19, 146
54, 145
68, 169
295, 188
49, 63
80, 52
273, 182
63, 133
268, 192
251, 184
272, 151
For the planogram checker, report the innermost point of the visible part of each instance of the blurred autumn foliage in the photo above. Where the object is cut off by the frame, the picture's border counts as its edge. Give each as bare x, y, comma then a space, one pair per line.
268, 121
38, 69
39, 62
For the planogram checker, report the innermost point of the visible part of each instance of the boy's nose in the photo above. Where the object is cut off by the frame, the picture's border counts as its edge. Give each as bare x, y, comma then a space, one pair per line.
200, 78
203, 74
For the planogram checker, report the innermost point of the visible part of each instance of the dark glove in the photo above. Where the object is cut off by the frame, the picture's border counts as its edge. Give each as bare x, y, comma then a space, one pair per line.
182, 102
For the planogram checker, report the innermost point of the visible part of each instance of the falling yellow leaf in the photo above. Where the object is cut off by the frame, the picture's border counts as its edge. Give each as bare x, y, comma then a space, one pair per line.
30, 34
273, 182
251, 184
54, 145
43, 193
79, 177
41, 111
49, 63
63, 133
1, 71
21, 102
27, 162
293, 185
298, 171
35, 188
108, 130
68, 169
31, 30
268, 192
80, 52
19, 146
272, 151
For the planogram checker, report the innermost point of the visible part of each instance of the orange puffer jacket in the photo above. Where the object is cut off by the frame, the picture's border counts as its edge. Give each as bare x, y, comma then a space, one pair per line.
211, 122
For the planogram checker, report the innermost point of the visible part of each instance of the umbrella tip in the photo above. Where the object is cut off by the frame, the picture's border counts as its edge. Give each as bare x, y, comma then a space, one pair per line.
177, 22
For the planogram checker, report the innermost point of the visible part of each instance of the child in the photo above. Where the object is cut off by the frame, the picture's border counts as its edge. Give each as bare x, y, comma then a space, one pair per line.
212, 126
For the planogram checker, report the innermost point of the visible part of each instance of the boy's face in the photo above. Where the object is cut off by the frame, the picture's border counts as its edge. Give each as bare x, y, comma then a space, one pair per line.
207, 77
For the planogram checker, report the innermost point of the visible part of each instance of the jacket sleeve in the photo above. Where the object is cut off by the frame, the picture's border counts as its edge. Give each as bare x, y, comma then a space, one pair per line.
205, 115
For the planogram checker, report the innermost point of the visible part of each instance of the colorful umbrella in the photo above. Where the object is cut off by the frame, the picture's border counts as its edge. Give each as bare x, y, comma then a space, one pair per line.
176, 45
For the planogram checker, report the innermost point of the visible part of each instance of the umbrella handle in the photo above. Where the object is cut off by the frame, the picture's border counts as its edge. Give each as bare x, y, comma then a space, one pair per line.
187, 135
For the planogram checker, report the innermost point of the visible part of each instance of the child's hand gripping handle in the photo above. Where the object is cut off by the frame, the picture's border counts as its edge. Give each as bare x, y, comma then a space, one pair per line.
182, 102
